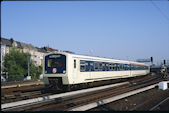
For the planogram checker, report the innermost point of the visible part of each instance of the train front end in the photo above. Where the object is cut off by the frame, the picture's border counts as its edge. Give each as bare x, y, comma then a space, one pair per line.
54, 71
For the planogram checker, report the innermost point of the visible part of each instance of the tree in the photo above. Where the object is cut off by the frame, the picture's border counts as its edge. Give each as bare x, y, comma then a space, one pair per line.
16, 64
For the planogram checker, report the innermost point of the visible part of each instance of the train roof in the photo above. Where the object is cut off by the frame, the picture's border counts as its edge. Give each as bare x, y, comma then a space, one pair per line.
99, 58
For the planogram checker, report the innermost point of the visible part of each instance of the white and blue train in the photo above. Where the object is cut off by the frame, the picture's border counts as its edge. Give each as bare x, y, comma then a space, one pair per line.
62, 69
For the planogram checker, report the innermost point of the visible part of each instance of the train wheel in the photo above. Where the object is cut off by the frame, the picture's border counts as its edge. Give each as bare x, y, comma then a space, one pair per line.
83, 86
66, 88
43, 91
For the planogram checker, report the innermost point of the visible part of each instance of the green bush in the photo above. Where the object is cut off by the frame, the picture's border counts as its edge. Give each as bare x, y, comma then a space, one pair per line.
16, 64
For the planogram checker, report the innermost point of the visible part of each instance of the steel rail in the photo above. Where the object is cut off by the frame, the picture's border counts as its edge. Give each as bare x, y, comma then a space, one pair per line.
73, 101
20, 85
111, 99
158, 104
52, 97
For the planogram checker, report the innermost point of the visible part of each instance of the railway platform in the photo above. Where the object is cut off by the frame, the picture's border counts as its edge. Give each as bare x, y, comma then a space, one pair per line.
152, 100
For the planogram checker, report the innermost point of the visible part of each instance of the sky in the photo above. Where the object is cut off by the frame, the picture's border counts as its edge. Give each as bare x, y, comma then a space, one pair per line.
127, 30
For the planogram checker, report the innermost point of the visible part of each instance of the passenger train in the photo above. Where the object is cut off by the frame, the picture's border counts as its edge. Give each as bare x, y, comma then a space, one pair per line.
62, 70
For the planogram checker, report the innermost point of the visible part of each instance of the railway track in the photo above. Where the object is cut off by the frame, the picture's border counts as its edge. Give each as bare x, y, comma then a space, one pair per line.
71, 102
18, 93
24, 92
20, 83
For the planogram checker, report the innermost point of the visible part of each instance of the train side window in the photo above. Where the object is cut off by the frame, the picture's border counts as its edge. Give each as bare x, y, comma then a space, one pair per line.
124, 67
121, 67
117, 67
74, 63
114, 67
106, 67
131, 67
90, 65
127, 67
103, 66
82, 65
141, 67
86, 66
110, 67
134, 67
96, 66
100, 66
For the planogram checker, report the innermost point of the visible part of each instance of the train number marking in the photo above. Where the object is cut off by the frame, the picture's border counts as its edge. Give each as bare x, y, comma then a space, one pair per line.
54, 70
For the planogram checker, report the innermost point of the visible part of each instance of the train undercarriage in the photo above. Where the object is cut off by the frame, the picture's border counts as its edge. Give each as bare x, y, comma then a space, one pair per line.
56, 85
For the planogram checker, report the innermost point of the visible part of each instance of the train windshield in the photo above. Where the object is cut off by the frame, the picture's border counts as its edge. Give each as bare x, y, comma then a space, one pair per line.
55, 63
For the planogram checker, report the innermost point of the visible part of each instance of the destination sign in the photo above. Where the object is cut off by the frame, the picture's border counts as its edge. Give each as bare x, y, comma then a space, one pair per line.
143, 60
54, 56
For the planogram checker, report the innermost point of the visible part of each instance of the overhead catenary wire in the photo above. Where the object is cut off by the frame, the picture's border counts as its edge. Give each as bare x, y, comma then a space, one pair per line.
165, 16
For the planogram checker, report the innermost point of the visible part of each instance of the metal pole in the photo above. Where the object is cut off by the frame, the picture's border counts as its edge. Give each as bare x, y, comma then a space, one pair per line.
28, 65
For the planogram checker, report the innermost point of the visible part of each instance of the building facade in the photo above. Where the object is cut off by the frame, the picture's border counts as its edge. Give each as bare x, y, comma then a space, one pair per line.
35, 52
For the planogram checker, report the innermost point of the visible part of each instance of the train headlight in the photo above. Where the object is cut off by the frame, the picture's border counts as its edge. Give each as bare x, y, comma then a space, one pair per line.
64, 71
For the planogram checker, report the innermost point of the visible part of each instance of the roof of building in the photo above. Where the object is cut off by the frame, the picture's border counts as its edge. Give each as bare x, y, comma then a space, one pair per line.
9, 42
48, 49
41, 50
19, 44
28, 46
6, 42
69, 52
